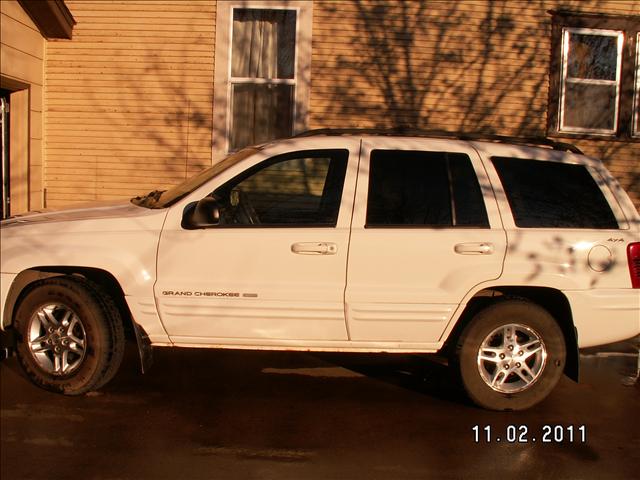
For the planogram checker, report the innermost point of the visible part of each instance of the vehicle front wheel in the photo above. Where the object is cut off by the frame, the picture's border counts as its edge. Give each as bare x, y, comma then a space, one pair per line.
70, 335
511, 355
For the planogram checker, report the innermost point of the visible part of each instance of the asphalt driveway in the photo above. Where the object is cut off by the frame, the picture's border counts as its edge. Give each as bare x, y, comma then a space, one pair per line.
203, 414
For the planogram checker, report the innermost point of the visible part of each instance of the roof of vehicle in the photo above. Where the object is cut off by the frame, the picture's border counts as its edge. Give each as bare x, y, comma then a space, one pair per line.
445, 134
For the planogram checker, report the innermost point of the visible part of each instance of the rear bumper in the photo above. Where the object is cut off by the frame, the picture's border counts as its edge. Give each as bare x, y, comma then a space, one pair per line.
604, 316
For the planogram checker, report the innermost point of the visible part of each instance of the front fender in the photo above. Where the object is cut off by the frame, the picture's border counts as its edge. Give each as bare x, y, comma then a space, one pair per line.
125, 248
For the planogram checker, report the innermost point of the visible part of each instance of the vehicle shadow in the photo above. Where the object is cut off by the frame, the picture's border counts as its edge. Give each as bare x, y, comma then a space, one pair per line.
423, 374
236, 372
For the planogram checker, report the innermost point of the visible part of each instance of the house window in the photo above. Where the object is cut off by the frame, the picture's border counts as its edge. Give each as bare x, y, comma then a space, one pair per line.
262, 75
262, 72
593, 79
591, 72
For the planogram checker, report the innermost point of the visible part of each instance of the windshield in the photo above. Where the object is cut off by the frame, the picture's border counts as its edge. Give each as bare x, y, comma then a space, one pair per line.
165, 198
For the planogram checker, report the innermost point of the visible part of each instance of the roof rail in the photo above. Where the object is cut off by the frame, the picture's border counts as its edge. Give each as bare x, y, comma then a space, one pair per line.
537, 141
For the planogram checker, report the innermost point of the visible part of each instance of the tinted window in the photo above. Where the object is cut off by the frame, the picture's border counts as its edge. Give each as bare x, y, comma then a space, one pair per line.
553, 195
424, 188
302, 188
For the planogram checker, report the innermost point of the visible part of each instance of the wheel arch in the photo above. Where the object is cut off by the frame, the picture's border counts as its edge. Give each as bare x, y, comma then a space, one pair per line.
107, 281
552, 300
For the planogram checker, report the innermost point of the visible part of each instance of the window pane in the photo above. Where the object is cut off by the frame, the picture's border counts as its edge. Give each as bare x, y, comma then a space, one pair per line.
263, 43
260, 113
413, 188
468, 201
589, 106
636, 129
636, 108
553, 195
294, 189
592, 56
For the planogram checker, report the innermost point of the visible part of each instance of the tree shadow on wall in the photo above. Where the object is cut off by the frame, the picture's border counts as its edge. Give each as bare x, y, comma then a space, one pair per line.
440, 66
452, 66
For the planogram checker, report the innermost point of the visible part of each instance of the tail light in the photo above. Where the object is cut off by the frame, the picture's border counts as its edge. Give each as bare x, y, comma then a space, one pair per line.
633, 256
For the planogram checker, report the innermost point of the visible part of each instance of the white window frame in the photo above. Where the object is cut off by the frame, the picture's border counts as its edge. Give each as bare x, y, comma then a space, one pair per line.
223, 81
635, 118
564, 79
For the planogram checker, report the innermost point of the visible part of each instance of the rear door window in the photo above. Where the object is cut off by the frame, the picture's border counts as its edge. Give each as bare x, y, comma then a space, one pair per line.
429, 189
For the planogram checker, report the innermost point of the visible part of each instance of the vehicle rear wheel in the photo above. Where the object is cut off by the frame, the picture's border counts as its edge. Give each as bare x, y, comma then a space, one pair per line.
70, 335
511, 355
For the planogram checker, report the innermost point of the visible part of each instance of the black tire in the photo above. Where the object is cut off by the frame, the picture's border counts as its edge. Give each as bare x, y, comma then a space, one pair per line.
70, 335
508, 382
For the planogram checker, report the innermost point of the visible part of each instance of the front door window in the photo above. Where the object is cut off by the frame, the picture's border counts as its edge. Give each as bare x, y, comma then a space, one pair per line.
301, 188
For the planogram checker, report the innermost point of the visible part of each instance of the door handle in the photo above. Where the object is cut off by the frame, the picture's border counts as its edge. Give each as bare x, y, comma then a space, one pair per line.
314, 248
474, 248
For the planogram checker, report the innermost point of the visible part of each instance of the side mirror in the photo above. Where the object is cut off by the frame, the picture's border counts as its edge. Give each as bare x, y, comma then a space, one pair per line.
201, 214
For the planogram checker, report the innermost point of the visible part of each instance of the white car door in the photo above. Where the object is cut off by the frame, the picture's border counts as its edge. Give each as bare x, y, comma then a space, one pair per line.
425, 232
273, 269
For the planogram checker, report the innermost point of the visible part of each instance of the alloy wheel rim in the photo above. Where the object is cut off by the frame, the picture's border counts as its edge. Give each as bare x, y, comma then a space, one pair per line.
57, 339
511, 358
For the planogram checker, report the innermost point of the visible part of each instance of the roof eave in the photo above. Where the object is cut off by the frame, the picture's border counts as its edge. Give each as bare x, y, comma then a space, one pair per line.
52, 17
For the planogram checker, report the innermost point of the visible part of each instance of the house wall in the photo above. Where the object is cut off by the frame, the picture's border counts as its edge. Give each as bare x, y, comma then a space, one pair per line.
22, 51
463, 66
129, 99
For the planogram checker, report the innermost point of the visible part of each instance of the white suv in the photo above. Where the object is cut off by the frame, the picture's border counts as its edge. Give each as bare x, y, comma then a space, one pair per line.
504, 256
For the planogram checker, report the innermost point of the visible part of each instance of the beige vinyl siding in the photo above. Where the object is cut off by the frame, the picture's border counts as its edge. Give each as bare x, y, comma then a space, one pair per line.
22, 51
129, 99
472, 66
437, 65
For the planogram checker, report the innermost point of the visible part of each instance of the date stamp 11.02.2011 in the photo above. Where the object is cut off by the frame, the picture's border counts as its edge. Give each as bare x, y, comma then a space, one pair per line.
525, 434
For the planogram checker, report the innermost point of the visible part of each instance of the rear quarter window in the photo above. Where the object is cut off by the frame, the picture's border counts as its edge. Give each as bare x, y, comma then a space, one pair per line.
544, 194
